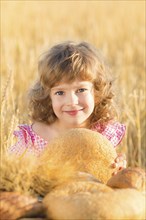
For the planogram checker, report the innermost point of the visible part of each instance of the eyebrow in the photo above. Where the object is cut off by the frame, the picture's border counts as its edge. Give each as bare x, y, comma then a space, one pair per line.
63, 87
58, 88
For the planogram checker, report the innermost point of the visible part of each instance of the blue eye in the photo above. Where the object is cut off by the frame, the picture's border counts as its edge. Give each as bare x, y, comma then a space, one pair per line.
81, 90
59, 93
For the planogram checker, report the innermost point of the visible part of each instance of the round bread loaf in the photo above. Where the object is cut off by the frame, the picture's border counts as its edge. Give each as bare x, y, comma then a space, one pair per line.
82, 150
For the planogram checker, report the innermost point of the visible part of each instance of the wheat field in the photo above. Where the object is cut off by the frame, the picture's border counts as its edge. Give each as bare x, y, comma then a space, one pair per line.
117, 28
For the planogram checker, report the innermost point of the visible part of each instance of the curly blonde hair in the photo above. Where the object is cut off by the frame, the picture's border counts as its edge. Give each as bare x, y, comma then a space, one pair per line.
68, 61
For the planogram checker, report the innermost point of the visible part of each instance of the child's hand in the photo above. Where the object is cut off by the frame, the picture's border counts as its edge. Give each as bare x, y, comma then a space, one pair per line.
119, 163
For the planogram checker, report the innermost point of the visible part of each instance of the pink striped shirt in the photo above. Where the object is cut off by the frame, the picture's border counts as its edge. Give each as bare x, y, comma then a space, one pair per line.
30, 142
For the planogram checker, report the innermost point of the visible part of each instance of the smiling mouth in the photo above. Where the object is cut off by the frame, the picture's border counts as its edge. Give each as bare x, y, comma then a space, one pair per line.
73, 112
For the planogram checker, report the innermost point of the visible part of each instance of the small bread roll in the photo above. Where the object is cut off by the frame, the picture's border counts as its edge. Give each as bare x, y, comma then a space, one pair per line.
14, 205
129, 178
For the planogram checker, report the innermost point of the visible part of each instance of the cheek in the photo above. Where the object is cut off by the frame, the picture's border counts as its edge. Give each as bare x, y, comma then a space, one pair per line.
55, 104
89, 98
91, 103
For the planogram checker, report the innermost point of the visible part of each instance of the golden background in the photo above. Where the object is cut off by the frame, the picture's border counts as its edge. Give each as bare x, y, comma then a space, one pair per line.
117, 28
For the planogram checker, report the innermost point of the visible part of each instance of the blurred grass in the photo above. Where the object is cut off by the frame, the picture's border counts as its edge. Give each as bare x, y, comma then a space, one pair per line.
117, 28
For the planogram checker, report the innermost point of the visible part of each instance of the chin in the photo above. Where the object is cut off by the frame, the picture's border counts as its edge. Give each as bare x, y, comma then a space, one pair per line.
77, 124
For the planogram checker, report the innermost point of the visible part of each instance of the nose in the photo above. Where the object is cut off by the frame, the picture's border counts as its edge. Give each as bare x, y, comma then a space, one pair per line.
72, 99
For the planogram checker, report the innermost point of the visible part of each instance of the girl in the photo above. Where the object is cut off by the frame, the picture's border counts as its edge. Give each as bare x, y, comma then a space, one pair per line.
73, 91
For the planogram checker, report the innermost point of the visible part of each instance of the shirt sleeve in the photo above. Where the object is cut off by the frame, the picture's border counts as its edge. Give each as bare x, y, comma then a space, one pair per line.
114, 132
23, 141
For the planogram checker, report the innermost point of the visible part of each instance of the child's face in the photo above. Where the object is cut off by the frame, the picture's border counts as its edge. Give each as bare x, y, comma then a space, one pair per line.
73, 103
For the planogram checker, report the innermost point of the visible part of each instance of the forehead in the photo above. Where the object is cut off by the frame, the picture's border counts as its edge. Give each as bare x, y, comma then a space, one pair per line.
74, 84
